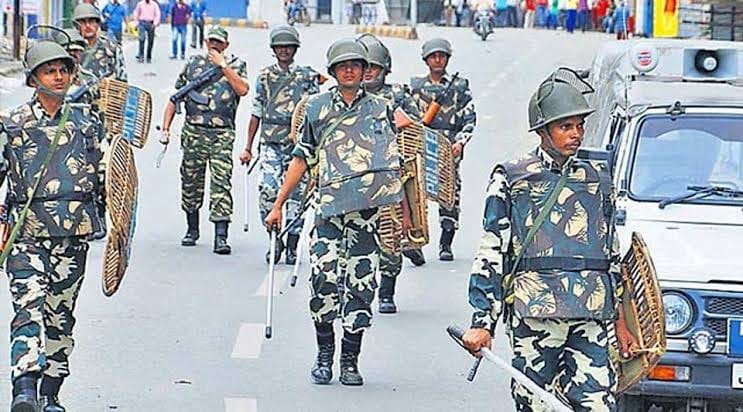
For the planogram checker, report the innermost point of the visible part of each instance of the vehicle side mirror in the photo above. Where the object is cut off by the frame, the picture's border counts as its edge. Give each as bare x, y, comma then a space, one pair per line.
594, 154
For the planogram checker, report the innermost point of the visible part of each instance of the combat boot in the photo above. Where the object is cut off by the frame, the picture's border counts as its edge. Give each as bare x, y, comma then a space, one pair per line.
50, 394
386, 295
445, 252
350, 349
279, 249
220, 238
25, 398
291, 249
322, 370
192, 233
416, 256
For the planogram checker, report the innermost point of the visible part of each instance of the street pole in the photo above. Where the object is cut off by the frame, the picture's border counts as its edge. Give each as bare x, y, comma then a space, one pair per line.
17, 28
413, 12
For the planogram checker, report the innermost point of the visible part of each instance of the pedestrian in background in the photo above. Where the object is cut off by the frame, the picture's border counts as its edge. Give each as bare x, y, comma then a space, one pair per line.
529, 12
542, 12
147, 16
621, 21
448, 11
598, 13
583, 13
114, 13
180, 12
198, 12
512, 13
552, 17
501, 10
571, 14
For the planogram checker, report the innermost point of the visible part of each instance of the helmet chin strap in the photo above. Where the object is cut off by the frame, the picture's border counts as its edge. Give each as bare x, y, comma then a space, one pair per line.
551, 149
40, 88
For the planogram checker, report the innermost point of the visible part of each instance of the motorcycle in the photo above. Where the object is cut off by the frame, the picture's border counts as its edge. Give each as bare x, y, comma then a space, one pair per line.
483, 24
297, 12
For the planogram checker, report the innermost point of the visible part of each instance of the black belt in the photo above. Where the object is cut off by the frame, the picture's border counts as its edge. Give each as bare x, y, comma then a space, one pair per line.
70, 197
563, 263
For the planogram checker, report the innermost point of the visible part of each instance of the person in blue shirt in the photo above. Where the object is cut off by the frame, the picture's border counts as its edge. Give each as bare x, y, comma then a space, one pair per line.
621, 21
115, 15
198, 13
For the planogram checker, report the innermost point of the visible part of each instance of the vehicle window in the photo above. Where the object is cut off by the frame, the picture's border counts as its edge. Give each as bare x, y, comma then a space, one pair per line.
700, 150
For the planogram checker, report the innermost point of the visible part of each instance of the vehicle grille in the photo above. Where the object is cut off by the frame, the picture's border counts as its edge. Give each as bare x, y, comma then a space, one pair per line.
725, 306
719, 326
721, 308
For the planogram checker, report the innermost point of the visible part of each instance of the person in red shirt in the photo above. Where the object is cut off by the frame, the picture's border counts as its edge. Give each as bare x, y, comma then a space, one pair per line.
531, 7
598, 12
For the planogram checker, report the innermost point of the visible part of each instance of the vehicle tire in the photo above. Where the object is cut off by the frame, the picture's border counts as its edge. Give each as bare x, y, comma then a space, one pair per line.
484, 34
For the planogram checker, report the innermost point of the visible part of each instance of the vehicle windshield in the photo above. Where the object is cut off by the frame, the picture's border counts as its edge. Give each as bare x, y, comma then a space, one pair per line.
691, 150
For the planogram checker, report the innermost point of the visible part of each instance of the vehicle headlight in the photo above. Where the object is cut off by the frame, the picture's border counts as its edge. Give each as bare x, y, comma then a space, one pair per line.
679, 312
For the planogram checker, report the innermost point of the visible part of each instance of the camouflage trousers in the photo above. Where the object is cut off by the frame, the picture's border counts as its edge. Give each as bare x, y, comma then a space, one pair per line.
344, 249
275, 159
449, 218
45, 278
390, 264
212, 146
569, 357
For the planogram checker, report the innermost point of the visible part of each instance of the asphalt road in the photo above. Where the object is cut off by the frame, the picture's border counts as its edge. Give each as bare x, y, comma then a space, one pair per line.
185, 332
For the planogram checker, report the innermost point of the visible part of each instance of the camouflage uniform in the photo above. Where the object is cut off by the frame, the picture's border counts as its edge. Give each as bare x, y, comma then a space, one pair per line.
277, 93
359, 171
105, 59
456, 120
564, 292
46, 266
207, 137
390, 264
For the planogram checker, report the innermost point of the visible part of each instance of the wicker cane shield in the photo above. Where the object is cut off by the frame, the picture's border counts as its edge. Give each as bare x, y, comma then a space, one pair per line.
297, 118
642, 307
121, 195
127, 111
390, 220
439, 177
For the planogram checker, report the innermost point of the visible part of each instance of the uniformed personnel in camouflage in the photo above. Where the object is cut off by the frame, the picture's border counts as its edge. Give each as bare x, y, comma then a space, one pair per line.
456, 119
207, 138
375, 82
278, 89
46, 264
562, 295
349, 135
103, 57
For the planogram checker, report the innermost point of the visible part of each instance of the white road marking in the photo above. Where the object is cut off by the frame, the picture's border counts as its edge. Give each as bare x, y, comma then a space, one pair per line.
279, 280
240, 405
249, 341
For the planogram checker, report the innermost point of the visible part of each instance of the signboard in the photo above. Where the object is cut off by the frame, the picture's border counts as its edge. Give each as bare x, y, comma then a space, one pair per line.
666, 18
27, 6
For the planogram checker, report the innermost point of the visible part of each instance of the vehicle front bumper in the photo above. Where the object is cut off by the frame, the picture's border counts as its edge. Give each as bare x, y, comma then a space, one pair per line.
711, 378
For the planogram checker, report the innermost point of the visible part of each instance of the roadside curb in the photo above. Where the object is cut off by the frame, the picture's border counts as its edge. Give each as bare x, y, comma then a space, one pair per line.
10, 68
242, 23
401, 32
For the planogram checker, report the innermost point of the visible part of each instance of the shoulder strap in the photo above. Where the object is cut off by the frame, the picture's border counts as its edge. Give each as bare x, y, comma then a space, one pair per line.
340, 119
24, 212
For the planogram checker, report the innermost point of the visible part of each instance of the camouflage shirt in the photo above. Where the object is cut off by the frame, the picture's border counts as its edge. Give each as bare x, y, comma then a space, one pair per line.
355, 149
223, 100
400, 97
105, 59
63, 204
456, 117
277, 93
578, 220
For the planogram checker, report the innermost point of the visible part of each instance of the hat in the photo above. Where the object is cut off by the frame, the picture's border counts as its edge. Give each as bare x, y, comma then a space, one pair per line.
217, 33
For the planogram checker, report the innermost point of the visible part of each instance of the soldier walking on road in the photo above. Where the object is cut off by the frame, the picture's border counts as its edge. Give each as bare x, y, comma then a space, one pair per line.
103, 56
350, 136
548, 257
208, 137
54, 147
456, 119
278, 89
375, 82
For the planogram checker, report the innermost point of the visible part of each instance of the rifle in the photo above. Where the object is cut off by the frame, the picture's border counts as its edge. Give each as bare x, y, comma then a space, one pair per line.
441, 98
191, 90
